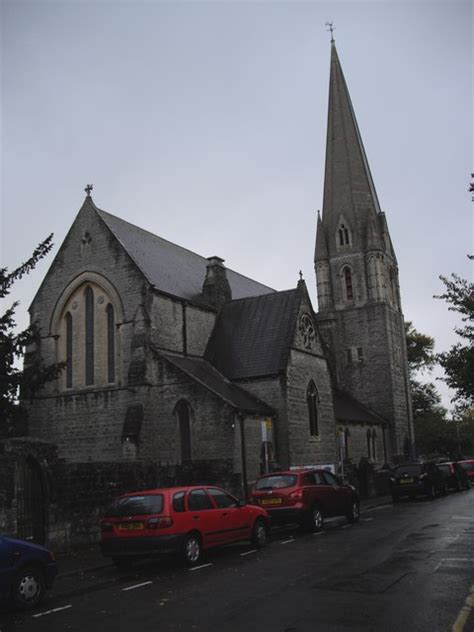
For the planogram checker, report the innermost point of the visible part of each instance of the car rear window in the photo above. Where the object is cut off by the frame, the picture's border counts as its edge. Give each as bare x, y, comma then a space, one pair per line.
467, 466
445, 468
136, 505
276, 481
411, 470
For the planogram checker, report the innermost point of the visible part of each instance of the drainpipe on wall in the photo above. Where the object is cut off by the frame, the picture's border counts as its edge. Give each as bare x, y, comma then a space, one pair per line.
243, 450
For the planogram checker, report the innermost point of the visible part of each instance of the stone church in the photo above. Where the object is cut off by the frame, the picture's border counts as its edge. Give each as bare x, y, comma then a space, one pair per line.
173, 358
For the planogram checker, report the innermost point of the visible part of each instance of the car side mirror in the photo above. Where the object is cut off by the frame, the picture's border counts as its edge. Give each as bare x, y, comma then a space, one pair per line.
241, 503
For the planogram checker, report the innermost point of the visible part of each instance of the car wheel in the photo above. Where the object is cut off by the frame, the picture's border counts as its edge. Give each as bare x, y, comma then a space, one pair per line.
123, 563
354, 514
259, 533
192, 549
29, 587
315, 519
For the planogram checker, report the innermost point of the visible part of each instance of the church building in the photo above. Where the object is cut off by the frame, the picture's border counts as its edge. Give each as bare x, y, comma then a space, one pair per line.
172, 358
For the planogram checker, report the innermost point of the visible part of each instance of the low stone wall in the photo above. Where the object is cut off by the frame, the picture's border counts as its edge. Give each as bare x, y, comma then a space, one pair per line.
75, 495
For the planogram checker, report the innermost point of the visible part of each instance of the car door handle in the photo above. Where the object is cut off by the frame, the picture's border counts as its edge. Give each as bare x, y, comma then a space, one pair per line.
225, 513
196, 517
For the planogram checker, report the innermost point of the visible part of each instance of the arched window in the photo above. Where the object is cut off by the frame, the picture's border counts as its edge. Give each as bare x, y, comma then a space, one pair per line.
68, 320
89, 307
110, 343
349, 291
369, 437
347, 435
343, 235
312, 400
183, 413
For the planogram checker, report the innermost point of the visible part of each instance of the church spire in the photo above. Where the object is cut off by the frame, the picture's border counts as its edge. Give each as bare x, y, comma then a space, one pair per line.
349, 190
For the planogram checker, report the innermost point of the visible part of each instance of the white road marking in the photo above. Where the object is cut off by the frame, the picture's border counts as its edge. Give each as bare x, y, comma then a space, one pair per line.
319, 533
453, 561
287, 541
346, 526
377, 508
41, 614
367, 519
137, 586
196, 568
248, 552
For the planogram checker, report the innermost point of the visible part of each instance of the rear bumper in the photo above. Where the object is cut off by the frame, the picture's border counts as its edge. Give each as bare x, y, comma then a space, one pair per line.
285, 514
410, 489
141, 546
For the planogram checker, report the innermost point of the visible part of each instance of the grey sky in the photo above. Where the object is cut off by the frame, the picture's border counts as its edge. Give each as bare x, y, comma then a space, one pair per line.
205, 123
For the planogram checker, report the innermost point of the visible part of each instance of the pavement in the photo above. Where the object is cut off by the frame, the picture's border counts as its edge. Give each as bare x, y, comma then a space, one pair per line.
88, 559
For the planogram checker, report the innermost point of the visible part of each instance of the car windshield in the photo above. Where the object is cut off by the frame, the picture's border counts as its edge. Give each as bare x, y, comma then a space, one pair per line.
136, 505
276, 481
467, 466
412, 469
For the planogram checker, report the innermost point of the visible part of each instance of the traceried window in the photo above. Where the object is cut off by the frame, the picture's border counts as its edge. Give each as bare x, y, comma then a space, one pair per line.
347, 435
343, 234
374, 445
312, 399
369, 439
87, 336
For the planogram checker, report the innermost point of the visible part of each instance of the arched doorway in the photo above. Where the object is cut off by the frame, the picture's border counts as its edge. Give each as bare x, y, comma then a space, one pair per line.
30, 494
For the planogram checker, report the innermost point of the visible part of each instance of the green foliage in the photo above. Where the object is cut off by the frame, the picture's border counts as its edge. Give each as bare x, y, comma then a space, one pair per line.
458, 362
15, 346
445, 438
420, 349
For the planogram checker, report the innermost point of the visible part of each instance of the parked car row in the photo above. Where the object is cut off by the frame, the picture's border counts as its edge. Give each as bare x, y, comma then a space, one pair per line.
429, 479
189, 520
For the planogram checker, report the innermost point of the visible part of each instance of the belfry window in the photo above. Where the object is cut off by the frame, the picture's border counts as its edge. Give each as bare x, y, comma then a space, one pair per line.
312, 400
349, 290
347, 435
89, 307
343, 233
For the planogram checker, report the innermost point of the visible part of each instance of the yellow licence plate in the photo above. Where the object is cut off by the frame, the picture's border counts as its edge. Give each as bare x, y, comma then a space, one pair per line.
130, 526
406, 480
271, 501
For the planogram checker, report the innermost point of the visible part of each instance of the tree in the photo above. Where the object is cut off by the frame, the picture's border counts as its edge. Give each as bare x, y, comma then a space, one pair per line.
420, 349
458, 362
15, 346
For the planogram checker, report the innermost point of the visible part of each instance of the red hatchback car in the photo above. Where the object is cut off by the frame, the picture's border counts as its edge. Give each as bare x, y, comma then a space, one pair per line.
468, 467
306, 497
183, 520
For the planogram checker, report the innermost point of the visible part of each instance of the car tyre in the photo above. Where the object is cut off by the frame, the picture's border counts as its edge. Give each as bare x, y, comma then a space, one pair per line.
192, 551
259, 533
354, 513
315, 520
29, 587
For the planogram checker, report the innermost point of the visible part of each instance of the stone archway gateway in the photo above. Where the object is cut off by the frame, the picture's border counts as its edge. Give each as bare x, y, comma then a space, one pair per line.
31, 497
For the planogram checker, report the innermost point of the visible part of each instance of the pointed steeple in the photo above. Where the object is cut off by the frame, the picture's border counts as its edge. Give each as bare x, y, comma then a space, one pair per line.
349, 189
321, 249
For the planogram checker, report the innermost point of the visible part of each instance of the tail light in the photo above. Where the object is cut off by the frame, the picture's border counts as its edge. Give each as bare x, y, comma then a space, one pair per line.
160, 523
106, 526
297, 493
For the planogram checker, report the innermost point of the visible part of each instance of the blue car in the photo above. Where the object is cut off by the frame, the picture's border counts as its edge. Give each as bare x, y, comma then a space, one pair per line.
26, 571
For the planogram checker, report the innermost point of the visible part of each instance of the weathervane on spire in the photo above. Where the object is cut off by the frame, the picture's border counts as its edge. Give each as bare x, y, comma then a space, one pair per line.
331, 29
88, 189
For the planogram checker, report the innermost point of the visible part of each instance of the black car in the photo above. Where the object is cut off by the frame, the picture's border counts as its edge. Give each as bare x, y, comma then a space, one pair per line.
456, 476
413, 479
26, 571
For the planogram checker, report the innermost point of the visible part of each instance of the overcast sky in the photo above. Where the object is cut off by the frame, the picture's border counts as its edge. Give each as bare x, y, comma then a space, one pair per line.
205, 123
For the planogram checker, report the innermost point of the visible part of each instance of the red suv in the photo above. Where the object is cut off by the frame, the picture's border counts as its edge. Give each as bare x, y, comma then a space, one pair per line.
183, 520
306, 497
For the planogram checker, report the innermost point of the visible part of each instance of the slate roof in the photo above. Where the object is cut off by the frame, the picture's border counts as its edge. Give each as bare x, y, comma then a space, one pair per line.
347, 409
210, 378
252, 337
171, 268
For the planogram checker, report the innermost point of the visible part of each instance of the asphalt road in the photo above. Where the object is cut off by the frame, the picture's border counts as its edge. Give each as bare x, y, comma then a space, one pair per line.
408, 567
